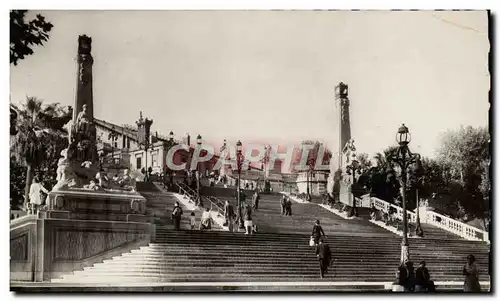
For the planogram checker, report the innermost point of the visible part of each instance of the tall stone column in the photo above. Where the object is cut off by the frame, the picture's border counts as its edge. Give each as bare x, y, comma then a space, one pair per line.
344, 132
82, 137
84, 92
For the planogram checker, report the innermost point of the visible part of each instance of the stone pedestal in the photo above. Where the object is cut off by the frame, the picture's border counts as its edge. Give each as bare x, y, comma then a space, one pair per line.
78, 229
111, 205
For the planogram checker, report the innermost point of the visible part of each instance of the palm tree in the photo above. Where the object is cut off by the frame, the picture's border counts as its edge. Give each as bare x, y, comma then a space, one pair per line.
40, 129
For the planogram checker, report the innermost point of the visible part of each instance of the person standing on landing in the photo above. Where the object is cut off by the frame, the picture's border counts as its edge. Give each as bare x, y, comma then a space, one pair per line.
471, 273
35, 196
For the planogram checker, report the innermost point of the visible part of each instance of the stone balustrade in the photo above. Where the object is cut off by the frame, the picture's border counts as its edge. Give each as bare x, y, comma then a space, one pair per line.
430, 217
461, 229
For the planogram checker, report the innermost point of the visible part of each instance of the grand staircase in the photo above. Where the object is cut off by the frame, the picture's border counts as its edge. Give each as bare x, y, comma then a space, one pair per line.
278, 256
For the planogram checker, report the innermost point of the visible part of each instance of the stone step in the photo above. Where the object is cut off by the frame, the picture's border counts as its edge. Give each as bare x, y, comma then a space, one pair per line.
300, 250
312, 266
211, 237
309, 229
228, 277
296, 246
134, 285
362, 255
242, 263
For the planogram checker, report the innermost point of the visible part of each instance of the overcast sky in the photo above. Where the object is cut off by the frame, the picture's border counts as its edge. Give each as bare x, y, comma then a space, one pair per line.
270, 76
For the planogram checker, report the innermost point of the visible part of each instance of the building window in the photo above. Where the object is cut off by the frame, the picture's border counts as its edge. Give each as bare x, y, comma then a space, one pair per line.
139, 161
123, 141
128, 142
154, 159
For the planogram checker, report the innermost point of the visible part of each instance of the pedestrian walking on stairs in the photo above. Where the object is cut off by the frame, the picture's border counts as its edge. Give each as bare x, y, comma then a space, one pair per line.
177, 215
192, 220
255, 200
324, 255
317, 232
206, 220
229, 215
288, 207
248, 219
283, 205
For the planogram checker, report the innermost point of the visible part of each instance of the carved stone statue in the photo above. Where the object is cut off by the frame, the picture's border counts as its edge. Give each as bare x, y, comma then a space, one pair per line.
83, 141
127, 182
82, 121
66, 177
102, 179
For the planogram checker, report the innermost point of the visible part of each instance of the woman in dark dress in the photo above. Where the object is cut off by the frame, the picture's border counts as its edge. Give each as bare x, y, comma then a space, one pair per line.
317, 232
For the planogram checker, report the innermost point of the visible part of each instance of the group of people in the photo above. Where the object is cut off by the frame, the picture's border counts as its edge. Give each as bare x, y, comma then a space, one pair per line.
408, 280
246, 211
286, 205
205, 221
323, 251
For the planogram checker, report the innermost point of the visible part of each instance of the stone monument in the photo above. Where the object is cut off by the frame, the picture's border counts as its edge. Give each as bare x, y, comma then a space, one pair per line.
88, 217
344, 134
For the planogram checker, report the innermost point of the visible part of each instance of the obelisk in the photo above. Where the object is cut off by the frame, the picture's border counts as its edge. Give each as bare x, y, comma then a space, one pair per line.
84, 93
344, 131
83, 133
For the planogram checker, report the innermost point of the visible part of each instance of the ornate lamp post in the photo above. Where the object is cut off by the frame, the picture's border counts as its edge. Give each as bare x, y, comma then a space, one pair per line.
143, 136
171, 143
418, 230
239, 163
404, 158
198, 143
310, 169
265, 166
351, 169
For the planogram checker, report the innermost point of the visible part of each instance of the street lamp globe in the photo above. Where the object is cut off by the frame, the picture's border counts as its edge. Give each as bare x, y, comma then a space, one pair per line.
403, 136
198, 139
238, 146
171, 135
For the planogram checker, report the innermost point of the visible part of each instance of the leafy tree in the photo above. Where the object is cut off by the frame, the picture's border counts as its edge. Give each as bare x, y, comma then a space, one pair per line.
465, 156
383, 181
24, 35
41, 137
17, 182
364, 161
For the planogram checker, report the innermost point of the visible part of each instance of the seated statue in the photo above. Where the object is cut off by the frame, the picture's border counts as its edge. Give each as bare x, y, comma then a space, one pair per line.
102, 179
66, 177
92, 186
126, 182
82, 121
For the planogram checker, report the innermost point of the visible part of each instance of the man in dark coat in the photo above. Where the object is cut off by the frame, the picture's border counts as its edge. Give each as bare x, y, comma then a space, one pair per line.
229, 215
283, 204
177, 215
324, 256
422, 278
288, 207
